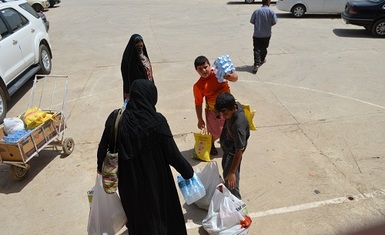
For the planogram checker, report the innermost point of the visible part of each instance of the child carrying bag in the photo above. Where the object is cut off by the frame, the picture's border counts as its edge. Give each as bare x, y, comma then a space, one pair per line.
250, 116
202, 146
227, 214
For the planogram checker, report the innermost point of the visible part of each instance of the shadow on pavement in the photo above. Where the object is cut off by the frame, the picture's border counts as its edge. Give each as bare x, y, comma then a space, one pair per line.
16, 97
37, 164
195, 214
245, 68
353, 33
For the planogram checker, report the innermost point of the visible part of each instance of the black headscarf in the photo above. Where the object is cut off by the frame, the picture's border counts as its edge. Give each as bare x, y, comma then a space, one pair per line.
132, 67
140, 118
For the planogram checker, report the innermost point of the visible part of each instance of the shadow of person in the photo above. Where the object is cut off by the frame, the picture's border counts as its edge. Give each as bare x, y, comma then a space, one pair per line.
187, 154
196, 215
245, 68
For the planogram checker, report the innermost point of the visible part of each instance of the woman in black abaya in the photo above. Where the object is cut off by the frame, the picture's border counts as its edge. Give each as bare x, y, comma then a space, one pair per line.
135, 63
146, 151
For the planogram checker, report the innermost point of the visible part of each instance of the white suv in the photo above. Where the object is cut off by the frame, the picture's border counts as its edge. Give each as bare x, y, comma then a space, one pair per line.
39, 5
24, 48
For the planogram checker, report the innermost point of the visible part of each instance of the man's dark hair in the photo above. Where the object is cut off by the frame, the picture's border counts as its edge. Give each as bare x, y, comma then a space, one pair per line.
225, 101
200, 60
266, 2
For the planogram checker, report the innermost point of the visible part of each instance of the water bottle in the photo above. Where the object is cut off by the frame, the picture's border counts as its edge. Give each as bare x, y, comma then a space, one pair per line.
199, 189
192, 189
183, 186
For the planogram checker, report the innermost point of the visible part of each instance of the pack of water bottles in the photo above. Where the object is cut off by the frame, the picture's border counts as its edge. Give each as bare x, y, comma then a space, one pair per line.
223, 66
192, 189
16, 136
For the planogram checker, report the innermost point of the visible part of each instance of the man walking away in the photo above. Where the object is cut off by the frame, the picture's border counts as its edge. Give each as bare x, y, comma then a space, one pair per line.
263, 19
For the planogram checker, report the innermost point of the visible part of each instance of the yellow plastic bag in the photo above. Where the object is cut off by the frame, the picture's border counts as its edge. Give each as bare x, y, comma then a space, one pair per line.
33, 117
202, 146
249, 115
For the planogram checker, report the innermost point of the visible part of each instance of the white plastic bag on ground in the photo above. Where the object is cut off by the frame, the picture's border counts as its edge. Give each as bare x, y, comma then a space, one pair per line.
106, 214
210, 178
226, 214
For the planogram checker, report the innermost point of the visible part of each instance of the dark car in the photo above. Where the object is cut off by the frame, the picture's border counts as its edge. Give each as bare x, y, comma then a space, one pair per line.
367, 13
53, 2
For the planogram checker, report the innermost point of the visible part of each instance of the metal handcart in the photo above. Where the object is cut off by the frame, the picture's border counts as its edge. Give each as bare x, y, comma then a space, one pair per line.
19, 152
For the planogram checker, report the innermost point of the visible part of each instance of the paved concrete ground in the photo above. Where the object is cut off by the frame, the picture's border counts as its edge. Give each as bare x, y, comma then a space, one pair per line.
314, 166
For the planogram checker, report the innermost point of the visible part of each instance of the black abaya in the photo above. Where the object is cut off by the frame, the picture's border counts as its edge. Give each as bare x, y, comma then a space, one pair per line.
146, 184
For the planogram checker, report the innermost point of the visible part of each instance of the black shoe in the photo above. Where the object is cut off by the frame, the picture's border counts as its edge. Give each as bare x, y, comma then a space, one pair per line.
255, 69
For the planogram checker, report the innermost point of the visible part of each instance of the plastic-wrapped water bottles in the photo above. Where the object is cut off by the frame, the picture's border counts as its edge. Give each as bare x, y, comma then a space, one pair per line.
15, 136
198, 187
182, 187
192, 189
223, 66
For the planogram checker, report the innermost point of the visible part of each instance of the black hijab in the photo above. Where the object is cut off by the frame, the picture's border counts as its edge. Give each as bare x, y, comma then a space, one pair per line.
131, 66
140, 118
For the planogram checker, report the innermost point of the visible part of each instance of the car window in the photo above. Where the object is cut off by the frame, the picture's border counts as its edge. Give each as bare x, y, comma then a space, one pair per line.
15, 20
28, 8
3, 29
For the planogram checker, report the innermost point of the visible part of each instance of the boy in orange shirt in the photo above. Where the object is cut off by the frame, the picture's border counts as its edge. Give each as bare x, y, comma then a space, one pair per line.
208, 88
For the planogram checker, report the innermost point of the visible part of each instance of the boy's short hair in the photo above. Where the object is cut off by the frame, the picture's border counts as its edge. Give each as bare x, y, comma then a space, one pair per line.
225, 101
265, 2
201, 60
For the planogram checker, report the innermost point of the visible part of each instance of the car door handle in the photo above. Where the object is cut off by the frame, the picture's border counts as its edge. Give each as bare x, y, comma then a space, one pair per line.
14, 42
32, 30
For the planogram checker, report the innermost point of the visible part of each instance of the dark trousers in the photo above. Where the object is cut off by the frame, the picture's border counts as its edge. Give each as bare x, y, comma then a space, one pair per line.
260, 49
227, 161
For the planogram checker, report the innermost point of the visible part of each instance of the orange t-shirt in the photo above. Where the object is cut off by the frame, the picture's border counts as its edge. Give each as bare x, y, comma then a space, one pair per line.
209, 88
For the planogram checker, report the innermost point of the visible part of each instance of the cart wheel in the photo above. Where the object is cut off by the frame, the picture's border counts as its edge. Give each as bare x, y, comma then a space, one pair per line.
68, 146
19, 173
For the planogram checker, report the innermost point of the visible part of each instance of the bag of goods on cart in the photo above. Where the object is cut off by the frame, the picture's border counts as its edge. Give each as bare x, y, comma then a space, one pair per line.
14, 130
13, 124
33, 117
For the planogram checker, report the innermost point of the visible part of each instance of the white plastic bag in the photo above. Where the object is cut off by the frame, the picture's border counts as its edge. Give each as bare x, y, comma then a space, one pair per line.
106, 215
225, 214
210, 178
13, 124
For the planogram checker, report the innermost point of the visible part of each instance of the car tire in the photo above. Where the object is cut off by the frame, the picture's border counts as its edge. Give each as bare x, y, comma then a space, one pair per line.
249, 1
38, 7
44, 60
378, 28
298, 11
3, 105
